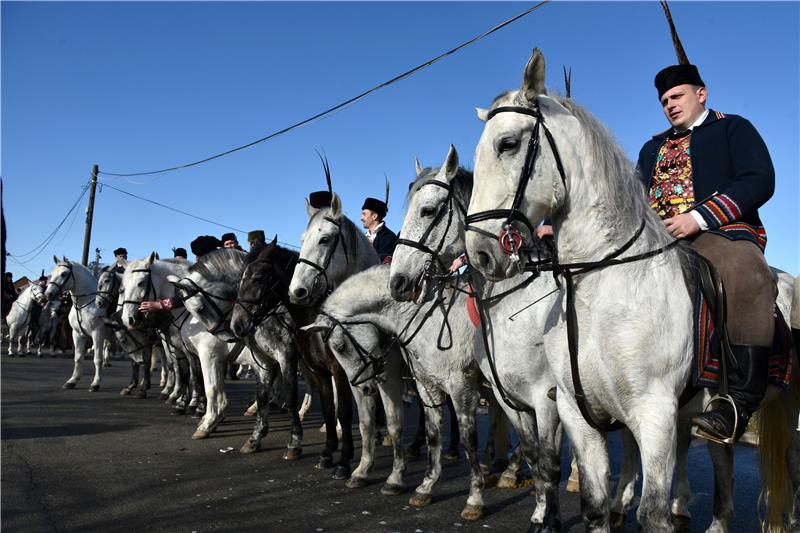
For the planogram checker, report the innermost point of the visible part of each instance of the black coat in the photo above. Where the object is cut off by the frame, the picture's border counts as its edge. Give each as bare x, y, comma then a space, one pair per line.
732, 172
385, 242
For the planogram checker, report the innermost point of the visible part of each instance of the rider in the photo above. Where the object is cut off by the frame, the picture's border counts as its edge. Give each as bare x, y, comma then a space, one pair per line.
382, 238
706, 176
257, 235
180, 253
229, 240
120, 260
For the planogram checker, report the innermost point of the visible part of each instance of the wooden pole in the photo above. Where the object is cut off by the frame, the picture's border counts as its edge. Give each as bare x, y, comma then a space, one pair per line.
87, 236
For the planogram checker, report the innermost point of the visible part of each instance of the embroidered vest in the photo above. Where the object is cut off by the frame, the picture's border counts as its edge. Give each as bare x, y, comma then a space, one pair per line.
671, 190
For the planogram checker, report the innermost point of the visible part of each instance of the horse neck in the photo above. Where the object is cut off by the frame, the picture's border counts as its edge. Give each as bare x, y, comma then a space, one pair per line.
25, 298
361, 254
604, 207
159, 270
84, 285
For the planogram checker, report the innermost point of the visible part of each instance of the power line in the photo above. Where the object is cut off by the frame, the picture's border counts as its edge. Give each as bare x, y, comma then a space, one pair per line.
47, 240
338, 107
182, 212
21, 264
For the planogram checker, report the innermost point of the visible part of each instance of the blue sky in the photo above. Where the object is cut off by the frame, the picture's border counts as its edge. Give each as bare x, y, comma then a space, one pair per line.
146, 85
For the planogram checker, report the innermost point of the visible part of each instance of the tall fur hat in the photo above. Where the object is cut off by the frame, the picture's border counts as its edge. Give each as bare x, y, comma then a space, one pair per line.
373, 204
120, 251
179, 252
320, 199
256, 235
683, 72
228, 237
204, 244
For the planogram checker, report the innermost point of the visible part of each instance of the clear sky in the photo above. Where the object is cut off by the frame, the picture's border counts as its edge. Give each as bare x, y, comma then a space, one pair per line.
146, 85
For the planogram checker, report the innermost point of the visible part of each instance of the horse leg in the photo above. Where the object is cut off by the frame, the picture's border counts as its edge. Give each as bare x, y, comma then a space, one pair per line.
265, 374
392, 393
465, 404
213, 363
415, 448
628, 474
147, 360
195, 377
162, 355
367, 406
126, 390
181, 389
306, 405
722, 458
681, 516
98, 339
433, 433
591, 450
344, 412
289, 373
655, 431
324, 385
80, 349
546, 471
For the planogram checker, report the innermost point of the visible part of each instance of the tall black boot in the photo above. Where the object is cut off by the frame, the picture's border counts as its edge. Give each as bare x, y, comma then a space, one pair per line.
747, 385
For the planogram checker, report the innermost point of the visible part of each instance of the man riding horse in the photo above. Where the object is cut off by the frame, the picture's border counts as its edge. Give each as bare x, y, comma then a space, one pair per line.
706, 176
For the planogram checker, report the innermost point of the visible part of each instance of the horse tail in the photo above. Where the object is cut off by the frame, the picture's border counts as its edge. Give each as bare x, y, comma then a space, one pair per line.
773, 433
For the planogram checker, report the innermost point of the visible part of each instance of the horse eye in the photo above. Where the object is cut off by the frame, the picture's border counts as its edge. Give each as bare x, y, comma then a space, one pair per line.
427, 212
507, 144
340, 347
324, 240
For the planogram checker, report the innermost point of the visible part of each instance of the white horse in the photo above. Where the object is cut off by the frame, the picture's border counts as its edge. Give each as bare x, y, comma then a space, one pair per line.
625, 370
332, 250
515, 364
85, 319
146, 279
19, 318
48, 325
209, 291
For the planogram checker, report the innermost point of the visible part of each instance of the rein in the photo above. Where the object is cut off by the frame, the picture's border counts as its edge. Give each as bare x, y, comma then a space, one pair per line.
223, 319
323, 270
150, 288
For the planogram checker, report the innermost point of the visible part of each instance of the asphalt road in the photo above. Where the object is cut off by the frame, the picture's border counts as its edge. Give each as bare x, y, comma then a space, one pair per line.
79, 461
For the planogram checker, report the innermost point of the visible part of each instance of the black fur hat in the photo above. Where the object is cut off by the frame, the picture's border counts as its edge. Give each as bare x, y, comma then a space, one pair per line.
320, 199
675, 75
204, 244
180, 252
373, 204
228, 237
120, 251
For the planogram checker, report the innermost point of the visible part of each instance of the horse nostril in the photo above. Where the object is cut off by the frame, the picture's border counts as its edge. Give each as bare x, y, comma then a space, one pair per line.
399, 284
300, 293
484, 260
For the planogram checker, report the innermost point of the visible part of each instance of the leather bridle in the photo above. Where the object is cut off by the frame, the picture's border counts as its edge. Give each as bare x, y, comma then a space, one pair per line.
322, 270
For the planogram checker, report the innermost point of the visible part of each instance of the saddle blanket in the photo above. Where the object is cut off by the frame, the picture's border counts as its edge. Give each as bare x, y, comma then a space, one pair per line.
707, 349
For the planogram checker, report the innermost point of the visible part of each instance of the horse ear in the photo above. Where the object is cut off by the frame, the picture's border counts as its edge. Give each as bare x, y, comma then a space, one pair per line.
55, 259
533, 79
151, 258
336, 206
157, 256
316, 327
310, 210
417, 167
451, 164
65, 259
483, 114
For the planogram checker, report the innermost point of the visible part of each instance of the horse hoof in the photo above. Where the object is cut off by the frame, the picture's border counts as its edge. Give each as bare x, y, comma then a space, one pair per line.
94, 388
163, 396
293, 454
573, 485
323, 462
682, 523
450, 455
356, 483
507, 481
472, 512
248, 412
200, 434
341, 472
542, 528
250, 446
68, 385
106, 364
420, 500
390, 489
180, 411
616, 520
141, 395
125, 392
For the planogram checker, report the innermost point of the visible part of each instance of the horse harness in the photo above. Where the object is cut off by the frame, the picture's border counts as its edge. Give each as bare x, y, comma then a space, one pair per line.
223, 319
322, 270
74, 297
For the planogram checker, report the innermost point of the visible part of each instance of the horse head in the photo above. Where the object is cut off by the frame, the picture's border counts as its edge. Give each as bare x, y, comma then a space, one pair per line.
433, 227
61, 279
146, 280
525, 160
38, 294
108, 289
263, 286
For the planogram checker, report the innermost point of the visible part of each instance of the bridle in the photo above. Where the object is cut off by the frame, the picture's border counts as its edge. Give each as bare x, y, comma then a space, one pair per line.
510, 238
322, 270
71, 274
448, 206
368, 360
151, 289
109, 294
256, 308
223, 319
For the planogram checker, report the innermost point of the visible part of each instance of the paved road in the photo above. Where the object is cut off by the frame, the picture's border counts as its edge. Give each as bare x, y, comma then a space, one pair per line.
81, 461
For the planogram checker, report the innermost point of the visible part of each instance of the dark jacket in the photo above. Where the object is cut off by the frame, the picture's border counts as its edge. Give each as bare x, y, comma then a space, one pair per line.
732, 174
385, 243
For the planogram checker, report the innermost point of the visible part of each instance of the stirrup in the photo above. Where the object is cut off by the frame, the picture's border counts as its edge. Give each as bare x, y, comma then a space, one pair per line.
713, 438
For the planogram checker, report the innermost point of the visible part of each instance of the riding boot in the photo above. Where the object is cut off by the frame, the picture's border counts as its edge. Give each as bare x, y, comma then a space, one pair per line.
747, 384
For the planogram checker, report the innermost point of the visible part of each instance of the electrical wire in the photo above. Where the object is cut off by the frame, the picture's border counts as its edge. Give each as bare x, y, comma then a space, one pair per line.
337, 107
182, 212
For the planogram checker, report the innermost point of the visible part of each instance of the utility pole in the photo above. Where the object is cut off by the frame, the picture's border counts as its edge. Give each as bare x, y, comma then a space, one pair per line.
89, 213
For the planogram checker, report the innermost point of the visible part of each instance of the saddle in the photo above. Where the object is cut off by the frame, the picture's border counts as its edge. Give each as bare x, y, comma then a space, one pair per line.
710, 334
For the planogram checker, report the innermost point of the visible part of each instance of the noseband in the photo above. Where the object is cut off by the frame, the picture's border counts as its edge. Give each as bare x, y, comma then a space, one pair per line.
510, 238
150, 288
256, 308
322, 270
71, 274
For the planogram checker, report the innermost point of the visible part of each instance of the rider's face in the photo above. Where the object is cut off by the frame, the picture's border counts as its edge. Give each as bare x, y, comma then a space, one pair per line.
683, 105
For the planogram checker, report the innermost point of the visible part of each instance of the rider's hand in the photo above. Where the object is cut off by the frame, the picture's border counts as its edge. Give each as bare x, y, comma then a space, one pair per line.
458, 262
682, 226
544, 230
150, 306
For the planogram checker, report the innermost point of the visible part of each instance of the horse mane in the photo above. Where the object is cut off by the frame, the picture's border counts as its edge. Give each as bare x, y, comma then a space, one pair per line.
282, 256
462, 184
79, 267
223, 264
348, 227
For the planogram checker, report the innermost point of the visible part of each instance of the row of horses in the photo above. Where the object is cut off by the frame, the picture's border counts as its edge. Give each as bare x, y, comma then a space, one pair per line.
34, 322
601, 319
